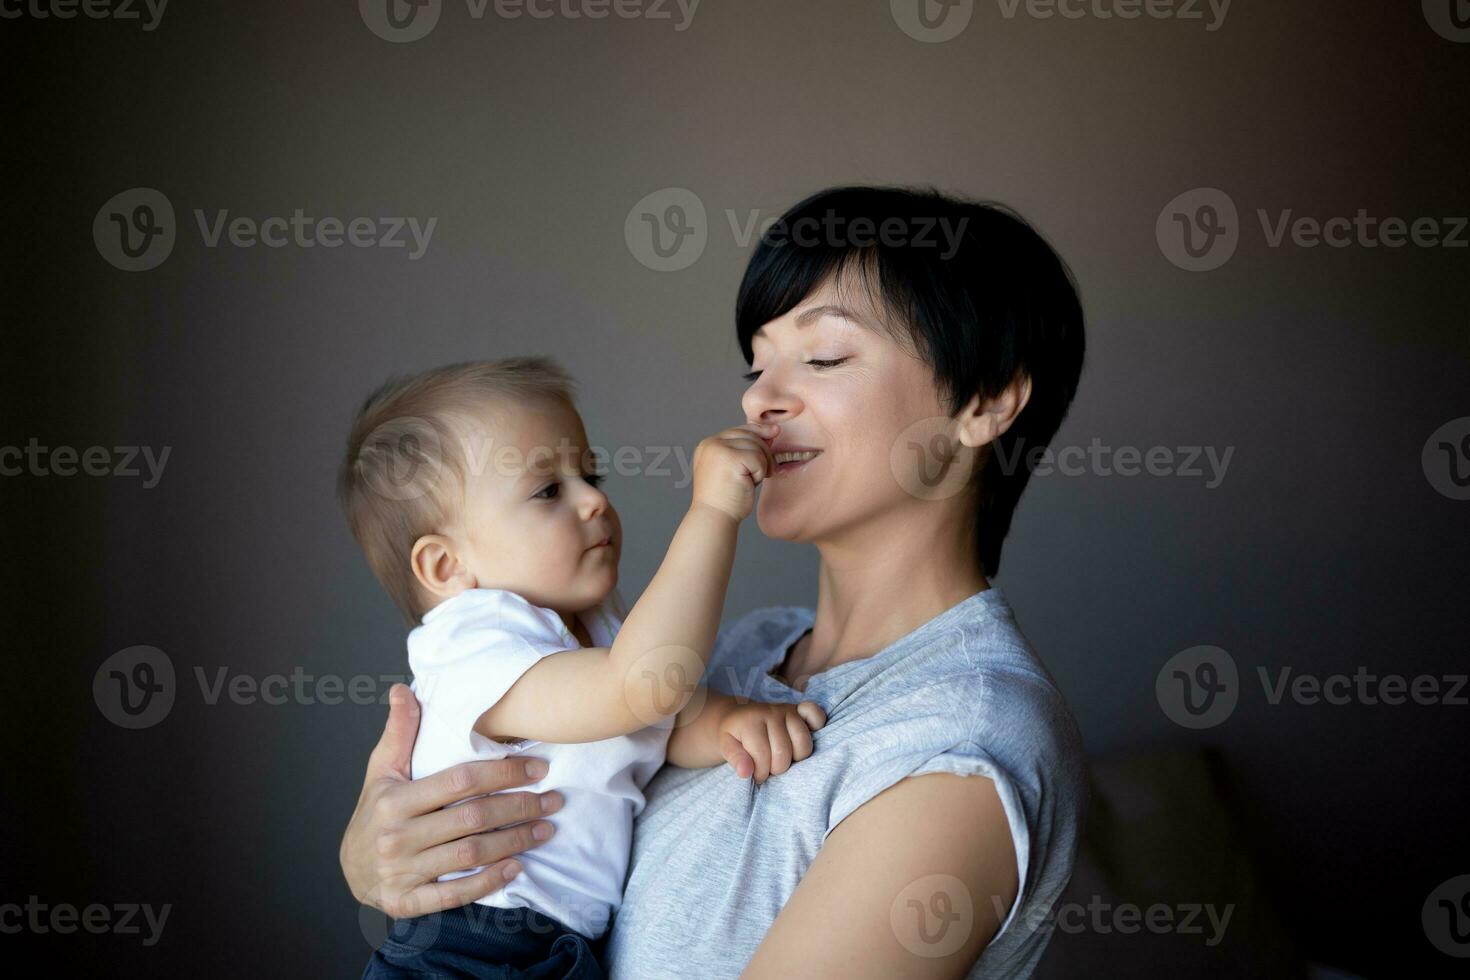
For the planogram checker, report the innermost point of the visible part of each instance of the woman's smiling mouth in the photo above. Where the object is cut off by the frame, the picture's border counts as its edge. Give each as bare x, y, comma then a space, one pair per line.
789, 460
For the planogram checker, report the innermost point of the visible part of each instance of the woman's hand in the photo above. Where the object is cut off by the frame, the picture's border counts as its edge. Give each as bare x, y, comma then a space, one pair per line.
400, 840
765, 739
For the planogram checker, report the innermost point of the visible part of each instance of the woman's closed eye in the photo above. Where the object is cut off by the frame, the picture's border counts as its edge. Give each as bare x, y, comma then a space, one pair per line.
819, 364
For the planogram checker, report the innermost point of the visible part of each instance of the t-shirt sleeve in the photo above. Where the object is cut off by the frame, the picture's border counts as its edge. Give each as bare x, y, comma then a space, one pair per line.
964, 757
494, 643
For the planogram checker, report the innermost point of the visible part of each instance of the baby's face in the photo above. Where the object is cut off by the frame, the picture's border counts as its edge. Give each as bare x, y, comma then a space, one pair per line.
533, 519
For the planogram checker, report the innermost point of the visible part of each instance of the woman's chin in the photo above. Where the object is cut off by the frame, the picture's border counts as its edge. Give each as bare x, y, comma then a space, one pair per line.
777, 521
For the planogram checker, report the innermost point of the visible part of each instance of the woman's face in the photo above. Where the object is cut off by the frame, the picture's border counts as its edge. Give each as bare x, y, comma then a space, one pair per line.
837, 383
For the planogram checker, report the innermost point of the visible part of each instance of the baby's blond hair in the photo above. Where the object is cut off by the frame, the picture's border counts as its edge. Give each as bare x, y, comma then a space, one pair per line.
405, 470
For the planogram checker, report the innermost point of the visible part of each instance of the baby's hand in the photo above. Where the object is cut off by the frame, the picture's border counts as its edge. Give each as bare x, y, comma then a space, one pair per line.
729, 464
765, 739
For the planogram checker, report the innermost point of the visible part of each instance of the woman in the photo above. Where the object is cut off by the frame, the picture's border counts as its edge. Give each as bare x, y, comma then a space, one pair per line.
915, 350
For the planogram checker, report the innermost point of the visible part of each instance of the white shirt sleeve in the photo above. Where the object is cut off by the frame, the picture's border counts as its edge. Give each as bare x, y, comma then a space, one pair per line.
473, 649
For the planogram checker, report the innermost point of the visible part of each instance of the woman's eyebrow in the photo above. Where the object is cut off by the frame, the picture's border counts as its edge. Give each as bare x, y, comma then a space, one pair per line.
832, 310
806, 317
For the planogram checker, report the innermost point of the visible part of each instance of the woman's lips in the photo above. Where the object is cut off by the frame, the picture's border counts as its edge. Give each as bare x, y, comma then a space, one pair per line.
797, 461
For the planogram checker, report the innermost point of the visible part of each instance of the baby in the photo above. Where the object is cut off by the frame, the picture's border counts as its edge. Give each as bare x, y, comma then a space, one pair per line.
469, 489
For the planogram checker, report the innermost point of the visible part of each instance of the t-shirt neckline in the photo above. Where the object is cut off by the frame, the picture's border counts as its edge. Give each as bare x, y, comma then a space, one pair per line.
807, 617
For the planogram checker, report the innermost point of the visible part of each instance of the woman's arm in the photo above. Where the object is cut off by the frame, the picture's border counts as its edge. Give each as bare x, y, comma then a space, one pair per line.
399, 840
914, 883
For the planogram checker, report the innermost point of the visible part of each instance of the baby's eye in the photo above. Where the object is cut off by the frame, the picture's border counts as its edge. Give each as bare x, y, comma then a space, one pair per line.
595, 479
547, 492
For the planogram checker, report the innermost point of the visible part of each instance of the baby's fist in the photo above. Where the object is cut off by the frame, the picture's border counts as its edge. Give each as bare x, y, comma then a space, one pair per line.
730, 464
763, 740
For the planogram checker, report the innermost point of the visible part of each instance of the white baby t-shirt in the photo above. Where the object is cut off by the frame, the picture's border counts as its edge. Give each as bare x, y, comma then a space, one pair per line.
467, 653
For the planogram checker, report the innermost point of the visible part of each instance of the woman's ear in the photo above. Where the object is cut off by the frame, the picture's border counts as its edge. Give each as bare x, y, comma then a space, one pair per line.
983, 421
437, 567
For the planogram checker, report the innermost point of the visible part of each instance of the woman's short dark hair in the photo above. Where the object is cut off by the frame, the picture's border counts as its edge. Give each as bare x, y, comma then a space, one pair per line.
981, 296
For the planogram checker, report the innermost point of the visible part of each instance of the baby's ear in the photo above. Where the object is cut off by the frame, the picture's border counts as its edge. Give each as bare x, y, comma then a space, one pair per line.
437, 566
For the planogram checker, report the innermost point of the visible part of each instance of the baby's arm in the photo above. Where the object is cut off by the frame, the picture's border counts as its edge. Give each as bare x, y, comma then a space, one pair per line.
755, 738
660, 653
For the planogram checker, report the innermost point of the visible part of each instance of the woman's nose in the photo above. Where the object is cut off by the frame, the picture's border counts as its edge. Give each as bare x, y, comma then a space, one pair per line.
768, 399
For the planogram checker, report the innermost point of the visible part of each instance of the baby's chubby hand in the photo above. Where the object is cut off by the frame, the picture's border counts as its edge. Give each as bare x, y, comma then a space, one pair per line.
765, 739
730, 464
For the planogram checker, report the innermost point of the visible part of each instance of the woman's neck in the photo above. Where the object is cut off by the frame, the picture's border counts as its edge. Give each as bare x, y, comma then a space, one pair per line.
871, 593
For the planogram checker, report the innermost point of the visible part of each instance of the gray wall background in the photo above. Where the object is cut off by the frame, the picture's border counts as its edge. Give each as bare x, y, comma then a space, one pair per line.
1324, 549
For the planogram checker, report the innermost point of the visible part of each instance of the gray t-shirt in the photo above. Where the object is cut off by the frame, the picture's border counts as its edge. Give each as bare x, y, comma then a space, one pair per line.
715, 857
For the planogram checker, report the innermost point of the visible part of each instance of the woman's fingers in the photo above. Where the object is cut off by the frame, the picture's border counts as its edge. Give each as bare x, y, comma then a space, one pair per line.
436, 896
392, 756
736, 755
477, 850
495, 812
458, 783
